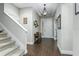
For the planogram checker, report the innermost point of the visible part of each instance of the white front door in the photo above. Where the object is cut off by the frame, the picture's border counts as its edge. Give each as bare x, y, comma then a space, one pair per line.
47, 28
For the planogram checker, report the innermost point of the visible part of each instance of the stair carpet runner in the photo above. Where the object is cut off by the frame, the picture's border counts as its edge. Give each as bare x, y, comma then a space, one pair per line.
8, 46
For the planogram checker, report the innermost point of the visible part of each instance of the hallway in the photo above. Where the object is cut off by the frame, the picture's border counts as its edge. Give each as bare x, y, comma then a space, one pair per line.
34, 21
47, 47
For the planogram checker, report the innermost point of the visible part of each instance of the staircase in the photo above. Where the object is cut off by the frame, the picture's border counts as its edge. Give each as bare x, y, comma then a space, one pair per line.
8, 46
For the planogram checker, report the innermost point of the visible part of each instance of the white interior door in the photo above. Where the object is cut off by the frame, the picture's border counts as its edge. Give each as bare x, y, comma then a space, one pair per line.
47, 28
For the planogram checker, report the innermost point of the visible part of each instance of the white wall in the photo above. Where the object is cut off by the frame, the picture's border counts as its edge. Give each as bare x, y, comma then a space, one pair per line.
57, 33
67, 26
31, 17
47, 27
35, 17
76, 34
12, 11
27, 12
1, 13
65, 35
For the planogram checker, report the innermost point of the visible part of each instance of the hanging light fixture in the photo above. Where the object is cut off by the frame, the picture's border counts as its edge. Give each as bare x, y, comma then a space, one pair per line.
44, 10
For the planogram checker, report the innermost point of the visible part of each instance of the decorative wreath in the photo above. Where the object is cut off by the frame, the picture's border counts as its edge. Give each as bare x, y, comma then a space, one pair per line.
35, 23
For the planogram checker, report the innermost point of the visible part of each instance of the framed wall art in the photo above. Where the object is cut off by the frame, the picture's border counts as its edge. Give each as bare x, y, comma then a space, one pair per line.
36, 23
59, 22
76, 8
24, 20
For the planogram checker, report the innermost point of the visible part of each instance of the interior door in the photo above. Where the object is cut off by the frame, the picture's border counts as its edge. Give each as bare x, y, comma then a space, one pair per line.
47, 28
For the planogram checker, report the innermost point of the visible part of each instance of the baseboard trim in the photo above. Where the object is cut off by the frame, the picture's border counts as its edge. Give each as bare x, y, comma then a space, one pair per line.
64, 51
55, 39
47, 37
31, 43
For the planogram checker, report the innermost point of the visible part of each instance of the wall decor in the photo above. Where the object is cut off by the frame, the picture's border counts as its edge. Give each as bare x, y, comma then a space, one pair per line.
59, 22
24, 20
76, 8
35, 23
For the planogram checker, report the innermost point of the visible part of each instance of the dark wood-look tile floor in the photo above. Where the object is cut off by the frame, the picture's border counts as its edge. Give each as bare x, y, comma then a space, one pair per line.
47, 47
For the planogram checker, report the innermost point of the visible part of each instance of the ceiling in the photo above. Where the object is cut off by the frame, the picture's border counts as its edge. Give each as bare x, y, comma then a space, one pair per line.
38, 7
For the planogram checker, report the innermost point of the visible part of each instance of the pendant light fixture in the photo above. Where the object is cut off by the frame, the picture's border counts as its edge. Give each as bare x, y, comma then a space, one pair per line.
44, 10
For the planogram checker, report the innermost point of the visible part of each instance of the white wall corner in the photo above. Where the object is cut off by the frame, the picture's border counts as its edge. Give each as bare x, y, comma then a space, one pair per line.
64, 51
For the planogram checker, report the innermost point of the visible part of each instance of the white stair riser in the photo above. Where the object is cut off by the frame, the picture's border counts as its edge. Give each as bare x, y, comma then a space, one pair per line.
6, 51
6, 46
9, 53
3, 35
12, 52
5, 40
